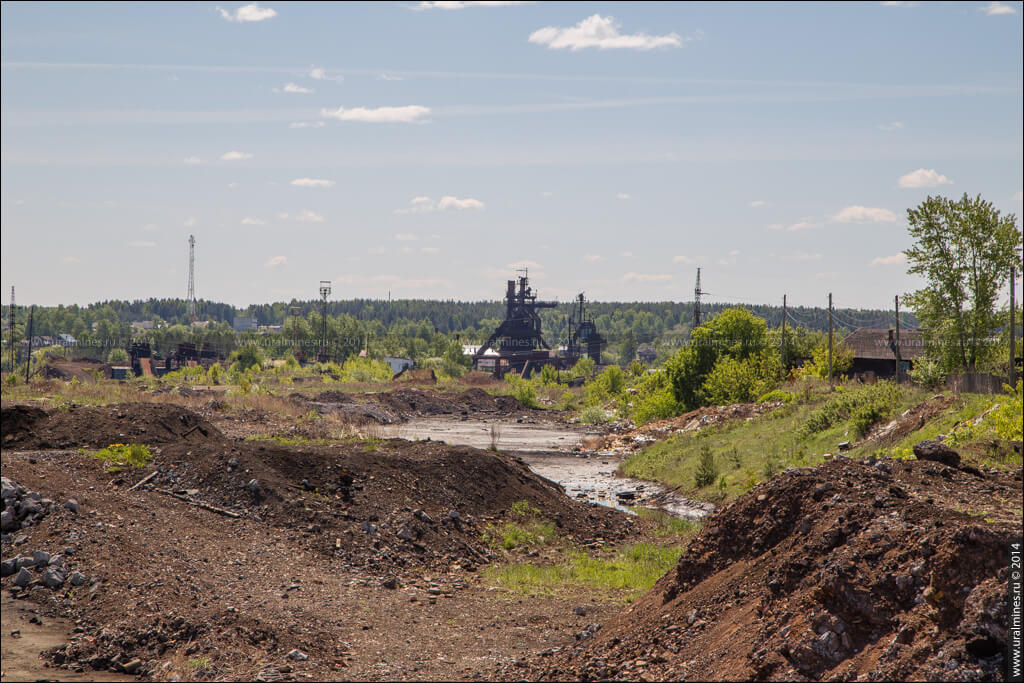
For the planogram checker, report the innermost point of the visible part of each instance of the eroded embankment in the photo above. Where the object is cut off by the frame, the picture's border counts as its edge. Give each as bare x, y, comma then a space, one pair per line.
887, 570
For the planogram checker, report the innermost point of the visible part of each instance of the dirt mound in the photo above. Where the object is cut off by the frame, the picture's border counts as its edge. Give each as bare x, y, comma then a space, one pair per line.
405, 403
66, 370
888, 570
910, 420
27, 427
478, 379
694, 420
411, 376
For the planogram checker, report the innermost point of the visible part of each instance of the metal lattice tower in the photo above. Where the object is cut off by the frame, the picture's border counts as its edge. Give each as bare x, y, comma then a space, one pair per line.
325, 291
191, 277
10, 325
696, 301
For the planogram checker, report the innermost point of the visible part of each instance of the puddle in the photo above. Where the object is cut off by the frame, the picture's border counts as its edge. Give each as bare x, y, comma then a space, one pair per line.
548, 450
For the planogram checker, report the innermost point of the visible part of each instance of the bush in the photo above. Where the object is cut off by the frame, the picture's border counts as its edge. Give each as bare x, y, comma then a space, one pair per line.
1007, 419
584, 368
247, 356
118, 357
593, 415
868, 404
523, 391
548, 376
358, 369
777, 395
707, 471
928, 373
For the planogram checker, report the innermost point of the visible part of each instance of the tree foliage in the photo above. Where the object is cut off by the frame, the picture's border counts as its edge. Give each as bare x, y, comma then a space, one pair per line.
964, 250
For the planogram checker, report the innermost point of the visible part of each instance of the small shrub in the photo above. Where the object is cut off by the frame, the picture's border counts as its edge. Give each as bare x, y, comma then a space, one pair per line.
707, 471
593, 415
777, 395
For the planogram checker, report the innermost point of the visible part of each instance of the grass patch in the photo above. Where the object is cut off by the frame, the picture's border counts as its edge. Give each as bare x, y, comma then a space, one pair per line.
667, 525
593, 415
746, 452
633, 570
119, 455
526, 529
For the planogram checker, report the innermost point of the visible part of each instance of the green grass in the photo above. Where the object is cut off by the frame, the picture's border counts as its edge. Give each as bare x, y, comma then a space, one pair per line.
667, 525
630, 573
747, 452
119, 455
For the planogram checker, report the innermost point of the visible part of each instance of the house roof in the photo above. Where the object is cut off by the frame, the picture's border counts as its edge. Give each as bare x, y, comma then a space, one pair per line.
880, 344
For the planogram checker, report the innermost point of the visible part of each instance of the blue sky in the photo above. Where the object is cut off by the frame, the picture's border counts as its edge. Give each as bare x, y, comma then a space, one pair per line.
430, 149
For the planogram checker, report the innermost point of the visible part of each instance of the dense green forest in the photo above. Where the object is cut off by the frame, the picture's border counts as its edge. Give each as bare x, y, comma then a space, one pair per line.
407, 327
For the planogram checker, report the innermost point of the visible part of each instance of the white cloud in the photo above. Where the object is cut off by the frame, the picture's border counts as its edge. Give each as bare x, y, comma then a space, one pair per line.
995, 8
682, 259
455, 204
1018, 196
602, 33
547, 194
150, 227
626, 254
249, 220
142, 244
248, 13
233, 185
802, 224
406, 237
893, 125
889, 260
306, 124
304, 216
377, 250
276, 261
446, 203
307, 216
623, 195
431, 250
320, 74
758, 202
295, 88
527, 265
463, 4
312, 182
924, 177
390, 77
189, 222
71, 259
593, 258
645, 277
734, 252
235, 156
898, 3
408, 114
191, 160
389, 281
865, 214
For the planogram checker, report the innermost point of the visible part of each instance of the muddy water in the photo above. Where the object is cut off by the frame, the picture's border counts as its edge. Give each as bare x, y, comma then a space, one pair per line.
548, 450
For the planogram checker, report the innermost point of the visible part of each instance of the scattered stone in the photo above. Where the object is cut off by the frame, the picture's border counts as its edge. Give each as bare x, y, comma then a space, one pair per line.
23, 578
936, 451
580, 611
390, 583
72, 505
298, 655
77, 579
422, 516
133, 666
9, 567
41, 558
53, 578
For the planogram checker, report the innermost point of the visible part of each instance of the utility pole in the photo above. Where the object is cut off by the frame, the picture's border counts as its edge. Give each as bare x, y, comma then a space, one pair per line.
830, 338
325, 291
10, 325
1013, 326
191, 278
783, 335
28, 361
897, 352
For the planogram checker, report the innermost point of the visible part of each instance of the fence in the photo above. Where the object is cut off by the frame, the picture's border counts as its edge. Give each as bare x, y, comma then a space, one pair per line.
976, 383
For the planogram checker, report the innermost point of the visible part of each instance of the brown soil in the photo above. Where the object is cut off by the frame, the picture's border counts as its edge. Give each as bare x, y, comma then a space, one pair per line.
82, 369
909, 421
26, 427
362, 554
840, 572
405, 403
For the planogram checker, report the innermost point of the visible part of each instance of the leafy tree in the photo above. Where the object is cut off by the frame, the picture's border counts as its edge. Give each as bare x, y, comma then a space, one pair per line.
964, 250
118, 357
247, 356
